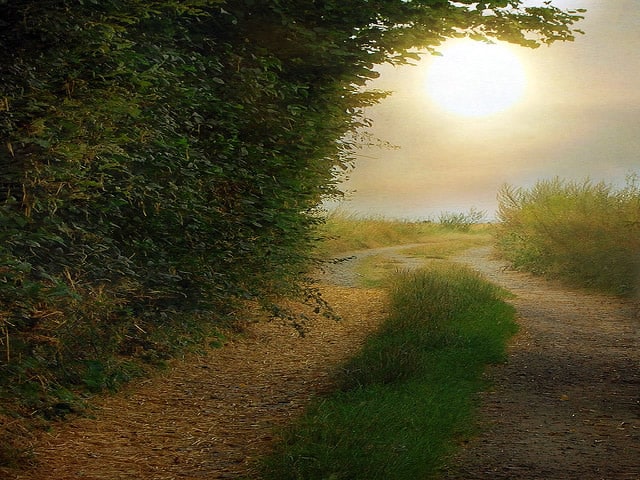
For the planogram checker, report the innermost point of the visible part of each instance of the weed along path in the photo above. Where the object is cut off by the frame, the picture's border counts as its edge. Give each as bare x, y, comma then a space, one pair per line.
566, 404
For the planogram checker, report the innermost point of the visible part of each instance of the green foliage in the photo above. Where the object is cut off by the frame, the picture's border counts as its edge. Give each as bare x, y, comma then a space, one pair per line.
165, 158
586, 233
407, 397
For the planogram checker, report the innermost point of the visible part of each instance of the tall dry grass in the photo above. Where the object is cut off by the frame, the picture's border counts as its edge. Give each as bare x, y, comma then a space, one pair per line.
585, 233
344, 232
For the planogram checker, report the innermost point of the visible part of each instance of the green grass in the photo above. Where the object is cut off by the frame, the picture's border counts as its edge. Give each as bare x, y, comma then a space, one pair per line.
585, 233
375, 270
403, 404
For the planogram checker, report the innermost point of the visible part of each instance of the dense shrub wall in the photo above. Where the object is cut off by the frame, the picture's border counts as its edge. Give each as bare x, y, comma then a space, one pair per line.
161, 158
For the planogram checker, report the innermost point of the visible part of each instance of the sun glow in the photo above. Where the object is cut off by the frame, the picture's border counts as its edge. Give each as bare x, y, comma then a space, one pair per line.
475, 79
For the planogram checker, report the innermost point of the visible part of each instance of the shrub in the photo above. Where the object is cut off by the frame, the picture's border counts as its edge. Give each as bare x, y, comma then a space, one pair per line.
586, 233
461, 221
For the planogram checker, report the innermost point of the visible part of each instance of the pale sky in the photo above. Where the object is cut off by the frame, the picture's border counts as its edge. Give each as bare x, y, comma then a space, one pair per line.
579, 117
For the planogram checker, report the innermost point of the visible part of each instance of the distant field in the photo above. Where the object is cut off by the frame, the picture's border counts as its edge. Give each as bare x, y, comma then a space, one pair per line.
343, 232
586, 234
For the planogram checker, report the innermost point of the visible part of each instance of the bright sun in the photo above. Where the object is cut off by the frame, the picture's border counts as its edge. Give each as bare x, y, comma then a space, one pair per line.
475, 79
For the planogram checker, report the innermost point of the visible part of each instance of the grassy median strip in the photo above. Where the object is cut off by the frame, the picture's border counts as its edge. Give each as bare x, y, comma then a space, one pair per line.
404, 403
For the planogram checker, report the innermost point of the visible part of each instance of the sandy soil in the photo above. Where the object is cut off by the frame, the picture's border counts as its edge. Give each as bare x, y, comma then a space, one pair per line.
566, 405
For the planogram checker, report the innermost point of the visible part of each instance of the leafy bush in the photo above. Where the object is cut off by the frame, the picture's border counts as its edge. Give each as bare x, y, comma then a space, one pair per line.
584, 232
157, 162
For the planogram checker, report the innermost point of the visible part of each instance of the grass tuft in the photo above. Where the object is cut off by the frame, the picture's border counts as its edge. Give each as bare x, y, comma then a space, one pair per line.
407, 399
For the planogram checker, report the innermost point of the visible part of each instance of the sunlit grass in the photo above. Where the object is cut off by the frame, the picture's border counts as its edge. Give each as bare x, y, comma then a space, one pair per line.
402, 405
345, 232
442, 244
585, 233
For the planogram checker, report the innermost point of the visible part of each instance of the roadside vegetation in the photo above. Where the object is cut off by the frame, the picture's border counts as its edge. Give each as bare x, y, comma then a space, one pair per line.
584, 233
346, 232
162, 162
407, 399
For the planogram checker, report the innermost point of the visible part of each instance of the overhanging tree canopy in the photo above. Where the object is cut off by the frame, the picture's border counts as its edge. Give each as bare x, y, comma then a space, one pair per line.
170, 154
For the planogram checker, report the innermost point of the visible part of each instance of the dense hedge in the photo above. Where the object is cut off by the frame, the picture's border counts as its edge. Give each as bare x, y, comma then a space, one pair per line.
163, 157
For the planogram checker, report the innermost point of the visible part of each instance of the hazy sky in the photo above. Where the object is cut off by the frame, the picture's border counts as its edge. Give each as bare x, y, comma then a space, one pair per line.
579, 117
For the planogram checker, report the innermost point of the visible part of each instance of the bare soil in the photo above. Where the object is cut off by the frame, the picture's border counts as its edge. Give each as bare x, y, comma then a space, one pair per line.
566, 405
210, 416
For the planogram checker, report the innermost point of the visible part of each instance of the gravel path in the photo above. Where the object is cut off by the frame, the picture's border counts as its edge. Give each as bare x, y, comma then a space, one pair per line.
566, 405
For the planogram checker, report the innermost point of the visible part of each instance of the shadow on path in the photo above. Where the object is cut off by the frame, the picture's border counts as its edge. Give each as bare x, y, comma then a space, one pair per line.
566, 405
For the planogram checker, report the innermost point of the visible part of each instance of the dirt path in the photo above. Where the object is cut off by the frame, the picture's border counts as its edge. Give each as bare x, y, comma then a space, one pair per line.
565, 406
209, 416
343, 270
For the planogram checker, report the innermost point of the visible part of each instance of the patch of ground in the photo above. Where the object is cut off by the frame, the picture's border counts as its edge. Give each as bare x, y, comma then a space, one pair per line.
566, 404
210, 416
